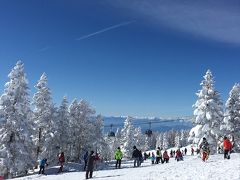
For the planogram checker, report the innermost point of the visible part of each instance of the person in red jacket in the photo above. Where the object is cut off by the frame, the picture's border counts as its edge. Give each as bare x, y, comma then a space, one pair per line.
227, 146
61, 159
179, 156
165, 157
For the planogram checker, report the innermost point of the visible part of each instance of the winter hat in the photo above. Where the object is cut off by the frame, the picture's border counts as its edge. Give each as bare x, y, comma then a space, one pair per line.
118, 147
134, 147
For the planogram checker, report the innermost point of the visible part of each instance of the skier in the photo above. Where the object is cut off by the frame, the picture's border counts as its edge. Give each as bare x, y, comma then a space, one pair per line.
153, 157
136, 156
165, 157
179, 156
85, 157
185, 150
227, 145
204, 146
158, 155
43, 162
118, 157
90, 165
61, 159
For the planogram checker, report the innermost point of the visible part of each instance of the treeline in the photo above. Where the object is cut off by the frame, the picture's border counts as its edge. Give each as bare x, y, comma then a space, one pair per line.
212, 119
128, 136
34, 128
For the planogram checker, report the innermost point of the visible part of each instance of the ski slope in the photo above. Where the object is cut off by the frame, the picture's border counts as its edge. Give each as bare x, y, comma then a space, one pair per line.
192, 168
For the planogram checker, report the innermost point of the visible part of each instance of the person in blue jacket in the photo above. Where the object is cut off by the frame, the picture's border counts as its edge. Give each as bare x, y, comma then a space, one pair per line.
43, 162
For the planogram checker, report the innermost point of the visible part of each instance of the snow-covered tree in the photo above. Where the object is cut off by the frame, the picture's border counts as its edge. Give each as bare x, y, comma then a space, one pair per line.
165, 144
99, 141
139, 139
63, 127
152, 140
177, 140
16, 147
128, 137
118, 138
171, 138
208, 113
42, 117
183, 137
86, 127
86, 131
232, 115
74, 114
159, 142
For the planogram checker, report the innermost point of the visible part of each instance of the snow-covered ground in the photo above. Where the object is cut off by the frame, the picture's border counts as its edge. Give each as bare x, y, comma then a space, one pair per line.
192, 168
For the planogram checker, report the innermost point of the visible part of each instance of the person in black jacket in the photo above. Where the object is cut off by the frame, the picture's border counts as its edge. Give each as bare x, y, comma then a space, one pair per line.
90, 165
85, 157
136, 156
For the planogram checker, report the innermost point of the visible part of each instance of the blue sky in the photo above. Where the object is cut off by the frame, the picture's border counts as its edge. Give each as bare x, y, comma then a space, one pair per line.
138, 58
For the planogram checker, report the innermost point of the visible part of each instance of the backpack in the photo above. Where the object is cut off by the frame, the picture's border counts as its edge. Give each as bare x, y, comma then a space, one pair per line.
205, 148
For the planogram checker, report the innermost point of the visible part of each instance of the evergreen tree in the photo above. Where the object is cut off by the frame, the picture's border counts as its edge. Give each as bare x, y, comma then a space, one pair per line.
16, 147
86, 127
183, 137
159, 142
140, 139
63, 127
42, 117
171, 138
177, 140
74, 114
232, 115
165, 141
208, 113
98, 139
128, 137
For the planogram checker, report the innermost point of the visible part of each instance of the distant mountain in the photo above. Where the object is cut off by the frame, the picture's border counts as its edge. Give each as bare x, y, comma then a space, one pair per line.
155, 124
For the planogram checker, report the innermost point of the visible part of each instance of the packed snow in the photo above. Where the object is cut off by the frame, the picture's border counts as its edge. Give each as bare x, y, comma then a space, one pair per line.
191, 168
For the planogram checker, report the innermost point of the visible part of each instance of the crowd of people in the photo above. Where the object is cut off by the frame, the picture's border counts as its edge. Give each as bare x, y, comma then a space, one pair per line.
138, 157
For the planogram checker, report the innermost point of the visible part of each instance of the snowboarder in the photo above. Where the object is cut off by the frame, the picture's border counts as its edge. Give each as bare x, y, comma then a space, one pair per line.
43, 162
165, 157
227, 146
61, 160
158, 155
85, 157
90, 165
204, 146
136, 156
118, 157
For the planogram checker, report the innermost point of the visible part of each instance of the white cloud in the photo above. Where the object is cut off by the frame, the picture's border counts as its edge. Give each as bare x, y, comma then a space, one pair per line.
218, 20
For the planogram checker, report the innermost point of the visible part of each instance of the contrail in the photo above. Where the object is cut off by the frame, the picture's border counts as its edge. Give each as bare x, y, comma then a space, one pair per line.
104, 30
